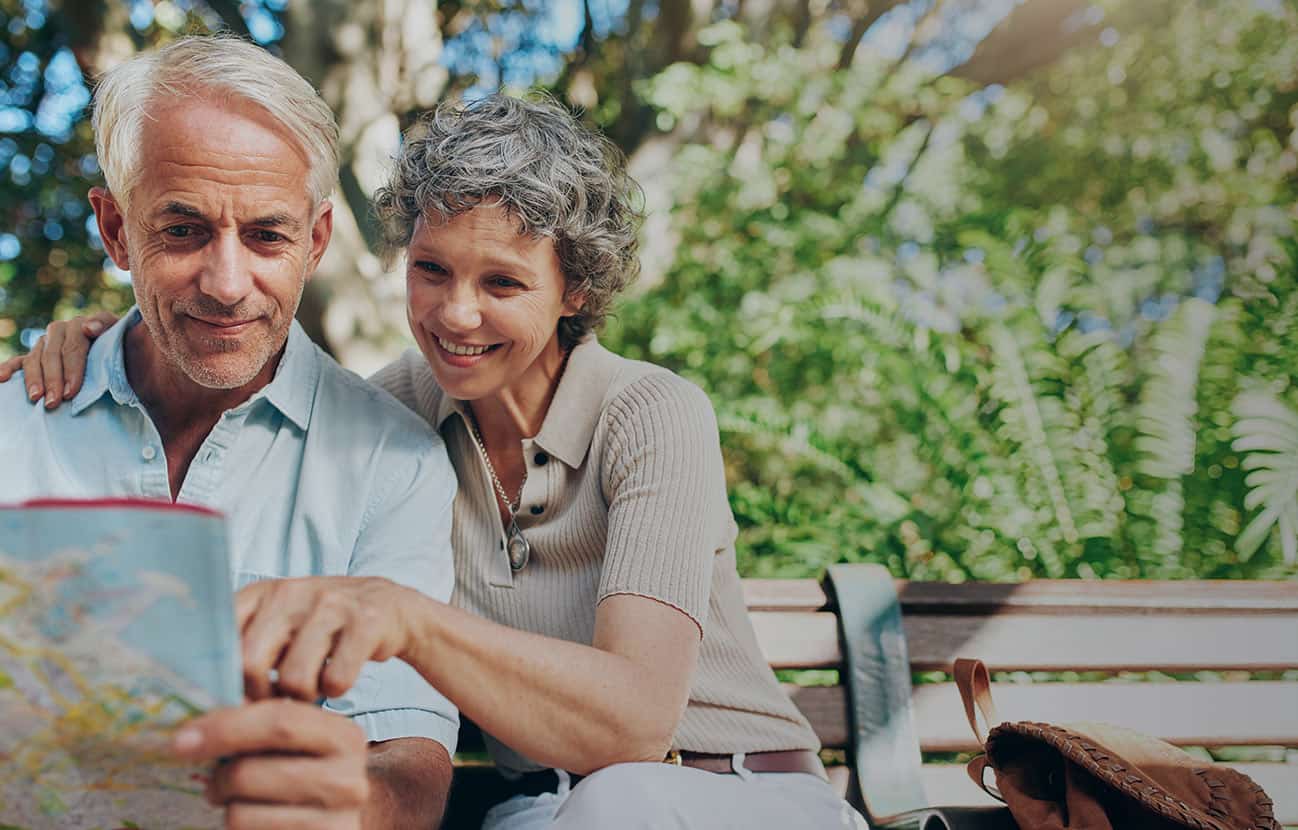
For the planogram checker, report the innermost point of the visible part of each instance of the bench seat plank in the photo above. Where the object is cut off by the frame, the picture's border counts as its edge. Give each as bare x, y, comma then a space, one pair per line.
1051, 643
1046, 596
1186, 714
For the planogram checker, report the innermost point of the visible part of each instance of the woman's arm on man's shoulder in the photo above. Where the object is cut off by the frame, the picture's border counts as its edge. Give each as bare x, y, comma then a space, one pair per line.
56, 365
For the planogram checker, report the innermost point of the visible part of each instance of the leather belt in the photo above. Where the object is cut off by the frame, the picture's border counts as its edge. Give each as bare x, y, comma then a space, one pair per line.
540, 781
788, 760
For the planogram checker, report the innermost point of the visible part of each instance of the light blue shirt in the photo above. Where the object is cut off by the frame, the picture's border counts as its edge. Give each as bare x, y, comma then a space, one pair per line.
317, 473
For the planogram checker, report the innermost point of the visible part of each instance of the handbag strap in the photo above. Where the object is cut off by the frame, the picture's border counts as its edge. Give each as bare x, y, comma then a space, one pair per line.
976, 694
975, 691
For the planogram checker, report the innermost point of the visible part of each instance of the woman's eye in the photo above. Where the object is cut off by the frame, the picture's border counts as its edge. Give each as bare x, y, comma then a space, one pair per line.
429, 267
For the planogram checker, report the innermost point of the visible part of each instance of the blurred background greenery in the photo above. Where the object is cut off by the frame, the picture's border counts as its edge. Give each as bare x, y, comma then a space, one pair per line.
980, 289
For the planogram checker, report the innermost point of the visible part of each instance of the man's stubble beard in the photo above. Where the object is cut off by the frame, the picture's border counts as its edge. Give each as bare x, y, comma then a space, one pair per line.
260, 344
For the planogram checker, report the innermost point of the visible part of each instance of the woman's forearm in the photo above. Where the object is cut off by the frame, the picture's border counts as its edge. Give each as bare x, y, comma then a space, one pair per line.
559, 703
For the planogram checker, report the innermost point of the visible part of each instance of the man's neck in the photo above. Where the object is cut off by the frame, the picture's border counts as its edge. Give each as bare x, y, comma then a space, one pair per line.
183, 412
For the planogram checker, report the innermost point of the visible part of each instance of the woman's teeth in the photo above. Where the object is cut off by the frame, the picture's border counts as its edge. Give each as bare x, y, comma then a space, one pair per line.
455, 348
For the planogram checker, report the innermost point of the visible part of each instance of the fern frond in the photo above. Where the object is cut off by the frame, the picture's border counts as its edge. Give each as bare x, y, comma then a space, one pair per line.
1022, 403
1267, 431
1169, 402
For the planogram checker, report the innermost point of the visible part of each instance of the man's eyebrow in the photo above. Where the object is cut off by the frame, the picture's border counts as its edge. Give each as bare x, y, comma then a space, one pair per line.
180, 209
277, 220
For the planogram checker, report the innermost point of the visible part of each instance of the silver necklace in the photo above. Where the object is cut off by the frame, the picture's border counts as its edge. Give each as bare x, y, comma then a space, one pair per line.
516, 545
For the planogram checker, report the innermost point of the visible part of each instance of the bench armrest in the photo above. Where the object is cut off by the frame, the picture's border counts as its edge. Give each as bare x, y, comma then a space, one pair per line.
886, 757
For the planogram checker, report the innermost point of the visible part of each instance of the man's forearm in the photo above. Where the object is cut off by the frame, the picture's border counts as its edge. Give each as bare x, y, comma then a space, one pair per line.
409, 782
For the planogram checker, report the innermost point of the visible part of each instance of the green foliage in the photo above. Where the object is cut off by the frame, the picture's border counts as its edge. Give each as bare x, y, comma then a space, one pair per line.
47, 165
995, 334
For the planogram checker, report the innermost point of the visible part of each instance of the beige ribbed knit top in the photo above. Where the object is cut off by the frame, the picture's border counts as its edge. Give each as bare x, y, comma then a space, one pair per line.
625, 494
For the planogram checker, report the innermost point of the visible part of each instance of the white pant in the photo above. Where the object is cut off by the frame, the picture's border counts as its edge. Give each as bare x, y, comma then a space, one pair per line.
666, 797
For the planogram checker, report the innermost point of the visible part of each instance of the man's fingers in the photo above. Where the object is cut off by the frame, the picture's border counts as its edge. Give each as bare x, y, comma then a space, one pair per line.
336, 782
261, 816
281, 726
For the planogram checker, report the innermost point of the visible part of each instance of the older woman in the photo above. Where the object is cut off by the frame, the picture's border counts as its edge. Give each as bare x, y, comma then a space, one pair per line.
597, 627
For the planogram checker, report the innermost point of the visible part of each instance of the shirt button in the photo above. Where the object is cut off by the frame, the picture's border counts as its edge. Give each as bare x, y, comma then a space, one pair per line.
537, 510
148, 453
540, 458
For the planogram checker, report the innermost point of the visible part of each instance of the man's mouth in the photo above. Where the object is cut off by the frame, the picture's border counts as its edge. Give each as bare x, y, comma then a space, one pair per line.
224, 326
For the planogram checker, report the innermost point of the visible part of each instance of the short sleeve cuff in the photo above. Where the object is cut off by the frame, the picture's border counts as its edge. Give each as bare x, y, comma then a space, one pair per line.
388, 724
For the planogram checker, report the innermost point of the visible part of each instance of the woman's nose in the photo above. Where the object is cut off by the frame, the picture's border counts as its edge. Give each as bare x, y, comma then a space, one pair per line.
460, 311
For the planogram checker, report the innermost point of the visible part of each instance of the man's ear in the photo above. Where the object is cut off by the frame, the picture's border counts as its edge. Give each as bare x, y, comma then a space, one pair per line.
111, 219
322, 229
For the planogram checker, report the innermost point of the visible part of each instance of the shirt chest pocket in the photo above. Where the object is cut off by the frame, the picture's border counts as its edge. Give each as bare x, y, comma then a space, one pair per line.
245, 578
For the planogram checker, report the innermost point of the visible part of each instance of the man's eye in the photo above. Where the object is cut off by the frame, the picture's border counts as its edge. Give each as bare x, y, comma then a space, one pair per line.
268, 236
429, 267
179, 231
505, 282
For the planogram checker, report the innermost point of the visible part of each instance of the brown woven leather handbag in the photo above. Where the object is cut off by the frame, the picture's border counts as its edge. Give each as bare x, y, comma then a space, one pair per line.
1090, 776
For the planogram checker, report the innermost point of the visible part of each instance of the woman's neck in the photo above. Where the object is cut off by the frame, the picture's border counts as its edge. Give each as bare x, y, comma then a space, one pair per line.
518, 411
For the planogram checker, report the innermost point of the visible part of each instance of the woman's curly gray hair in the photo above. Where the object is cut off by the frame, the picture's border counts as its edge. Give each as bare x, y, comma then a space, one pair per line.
557, 178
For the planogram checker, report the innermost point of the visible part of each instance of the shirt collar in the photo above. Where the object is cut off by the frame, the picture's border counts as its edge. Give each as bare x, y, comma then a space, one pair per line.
106, 367
291, 391
578, 403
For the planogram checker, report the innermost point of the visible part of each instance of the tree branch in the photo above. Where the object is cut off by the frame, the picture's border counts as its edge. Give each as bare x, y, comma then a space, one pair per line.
1034, 35
865, 18
228, 11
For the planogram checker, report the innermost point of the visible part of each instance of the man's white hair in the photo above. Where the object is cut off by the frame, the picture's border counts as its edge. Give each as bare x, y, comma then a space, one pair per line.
219, 65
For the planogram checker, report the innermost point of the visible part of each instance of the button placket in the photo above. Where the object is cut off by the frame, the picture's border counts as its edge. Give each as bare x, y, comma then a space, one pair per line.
204, 474
499, 573
533, 503
152, 481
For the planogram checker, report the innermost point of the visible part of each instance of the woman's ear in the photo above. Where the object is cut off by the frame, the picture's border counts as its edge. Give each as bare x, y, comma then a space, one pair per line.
574, 302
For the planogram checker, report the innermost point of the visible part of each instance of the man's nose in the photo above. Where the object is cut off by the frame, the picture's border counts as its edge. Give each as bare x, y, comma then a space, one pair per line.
226, 276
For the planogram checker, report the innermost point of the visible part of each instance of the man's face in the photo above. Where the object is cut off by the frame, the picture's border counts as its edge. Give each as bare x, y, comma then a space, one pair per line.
220, 237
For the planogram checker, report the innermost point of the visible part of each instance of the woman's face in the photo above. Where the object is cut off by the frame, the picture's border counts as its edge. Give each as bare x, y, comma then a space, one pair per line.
484, 303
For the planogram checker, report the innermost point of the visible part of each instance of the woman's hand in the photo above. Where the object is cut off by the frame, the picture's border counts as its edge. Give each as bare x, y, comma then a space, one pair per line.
56, 365
318, 632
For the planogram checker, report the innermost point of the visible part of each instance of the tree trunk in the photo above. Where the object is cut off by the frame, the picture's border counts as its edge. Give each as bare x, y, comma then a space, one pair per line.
375, 64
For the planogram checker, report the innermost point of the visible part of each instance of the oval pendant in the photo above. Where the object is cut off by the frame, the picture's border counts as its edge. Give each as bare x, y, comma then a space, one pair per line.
520, 550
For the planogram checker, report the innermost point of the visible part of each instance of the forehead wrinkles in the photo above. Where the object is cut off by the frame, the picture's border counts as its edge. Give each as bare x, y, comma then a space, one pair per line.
208, 146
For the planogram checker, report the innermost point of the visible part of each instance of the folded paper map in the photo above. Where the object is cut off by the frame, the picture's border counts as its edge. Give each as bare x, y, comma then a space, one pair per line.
116, 625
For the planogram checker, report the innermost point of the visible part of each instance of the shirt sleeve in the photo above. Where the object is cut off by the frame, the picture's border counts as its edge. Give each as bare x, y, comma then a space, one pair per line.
664, 480
406, 536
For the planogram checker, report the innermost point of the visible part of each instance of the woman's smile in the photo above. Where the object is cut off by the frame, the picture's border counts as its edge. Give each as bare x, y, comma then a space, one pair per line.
462, 355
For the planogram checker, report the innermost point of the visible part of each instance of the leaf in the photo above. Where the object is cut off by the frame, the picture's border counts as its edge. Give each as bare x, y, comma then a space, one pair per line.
1267, 430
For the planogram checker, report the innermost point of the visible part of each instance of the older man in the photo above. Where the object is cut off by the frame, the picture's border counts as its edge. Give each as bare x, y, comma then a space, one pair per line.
218, 160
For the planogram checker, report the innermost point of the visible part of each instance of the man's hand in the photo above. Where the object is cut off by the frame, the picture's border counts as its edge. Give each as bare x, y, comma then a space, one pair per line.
318, 632
287, 765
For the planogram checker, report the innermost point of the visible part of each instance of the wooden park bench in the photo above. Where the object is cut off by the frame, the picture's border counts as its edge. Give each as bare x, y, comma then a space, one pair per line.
1206, 664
